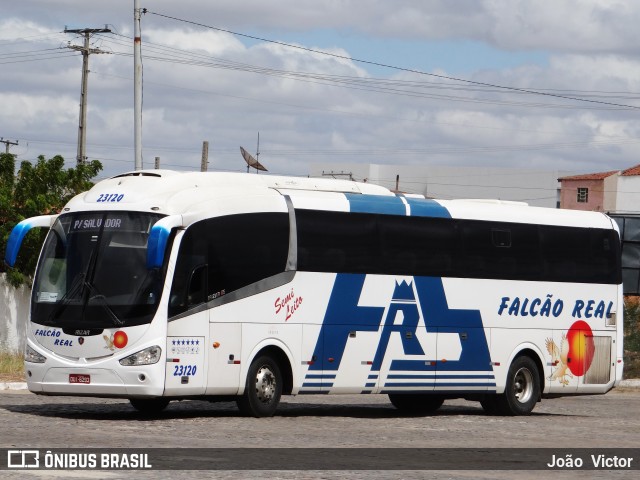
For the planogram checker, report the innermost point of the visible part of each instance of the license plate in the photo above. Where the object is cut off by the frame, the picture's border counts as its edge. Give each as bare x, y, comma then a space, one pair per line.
79, 378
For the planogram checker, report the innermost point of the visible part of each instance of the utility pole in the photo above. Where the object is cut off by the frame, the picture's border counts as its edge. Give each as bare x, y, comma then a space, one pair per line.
7, 144
137, 85
204, 163
86, 51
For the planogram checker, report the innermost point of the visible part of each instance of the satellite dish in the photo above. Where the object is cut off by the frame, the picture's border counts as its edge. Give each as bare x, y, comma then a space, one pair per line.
251, 162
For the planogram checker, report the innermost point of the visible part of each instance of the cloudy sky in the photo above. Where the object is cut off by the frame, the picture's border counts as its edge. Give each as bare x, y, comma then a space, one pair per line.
530, 84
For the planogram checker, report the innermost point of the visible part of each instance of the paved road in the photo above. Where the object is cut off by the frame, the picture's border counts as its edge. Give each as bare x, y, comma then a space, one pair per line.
30, 421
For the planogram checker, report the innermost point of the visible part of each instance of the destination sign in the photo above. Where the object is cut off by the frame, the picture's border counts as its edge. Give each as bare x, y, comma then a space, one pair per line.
95, 223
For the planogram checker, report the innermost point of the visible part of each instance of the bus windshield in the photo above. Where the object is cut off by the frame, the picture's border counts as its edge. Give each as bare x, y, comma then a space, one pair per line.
92, 272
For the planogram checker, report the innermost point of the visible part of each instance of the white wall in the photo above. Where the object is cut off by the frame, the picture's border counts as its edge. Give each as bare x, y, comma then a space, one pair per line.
14, 311
628, 194
611, 193
535, 187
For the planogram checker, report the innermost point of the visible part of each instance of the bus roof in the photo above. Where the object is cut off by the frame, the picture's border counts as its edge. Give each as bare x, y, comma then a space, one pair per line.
177, 193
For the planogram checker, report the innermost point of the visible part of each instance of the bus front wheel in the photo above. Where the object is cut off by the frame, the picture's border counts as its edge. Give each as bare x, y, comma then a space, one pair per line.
263, 389
522, 390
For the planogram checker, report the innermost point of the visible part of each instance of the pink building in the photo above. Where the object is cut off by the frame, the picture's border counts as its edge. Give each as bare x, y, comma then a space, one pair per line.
584, 192
613, 192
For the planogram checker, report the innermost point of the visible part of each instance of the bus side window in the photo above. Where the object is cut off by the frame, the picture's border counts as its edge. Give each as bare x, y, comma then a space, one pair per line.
244, 249
191, 257
197, 291
222, 254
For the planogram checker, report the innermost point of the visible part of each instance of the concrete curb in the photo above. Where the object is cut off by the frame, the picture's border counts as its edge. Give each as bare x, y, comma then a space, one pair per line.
13, 385
631, 383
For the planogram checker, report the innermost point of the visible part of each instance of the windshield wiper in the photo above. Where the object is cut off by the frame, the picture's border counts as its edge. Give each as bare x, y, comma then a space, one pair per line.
76, 286
102, 300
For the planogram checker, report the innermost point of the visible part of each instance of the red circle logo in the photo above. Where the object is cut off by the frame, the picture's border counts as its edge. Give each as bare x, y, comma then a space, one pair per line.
581, 347
120, 339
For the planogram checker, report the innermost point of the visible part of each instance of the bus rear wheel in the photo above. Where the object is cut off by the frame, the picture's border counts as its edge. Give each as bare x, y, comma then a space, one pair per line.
263, 388
416, 403
522, 390
149, 406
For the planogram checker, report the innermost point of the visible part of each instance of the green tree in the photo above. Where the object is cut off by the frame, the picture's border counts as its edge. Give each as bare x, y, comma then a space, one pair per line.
631, 337
42, 188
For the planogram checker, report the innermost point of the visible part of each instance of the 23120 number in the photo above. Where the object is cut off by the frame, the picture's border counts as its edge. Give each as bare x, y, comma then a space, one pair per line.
184, 370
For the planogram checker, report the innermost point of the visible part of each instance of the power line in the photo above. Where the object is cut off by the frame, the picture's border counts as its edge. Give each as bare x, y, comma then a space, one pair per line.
610, 139
387, 86
393, 67
376, 152
33, 55
37, 58
29, 53
182, 54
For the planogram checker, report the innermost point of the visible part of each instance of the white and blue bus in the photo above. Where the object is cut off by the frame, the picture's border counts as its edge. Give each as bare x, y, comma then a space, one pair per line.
156, 286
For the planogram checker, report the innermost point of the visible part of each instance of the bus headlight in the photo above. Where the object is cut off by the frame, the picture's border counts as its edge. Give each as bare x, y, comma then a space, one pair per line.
31, 356
148, 356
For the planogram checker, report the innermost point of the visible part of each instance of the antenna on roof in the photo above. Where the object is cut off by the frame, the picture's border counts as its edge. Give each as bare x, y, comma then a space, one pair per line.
253, 162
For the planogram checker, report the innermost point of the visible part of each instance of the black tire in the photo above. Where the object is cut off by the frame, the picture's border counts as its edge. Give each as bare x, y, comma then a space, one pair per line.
263, 388
489, 404
416, 403
522, 390
149, 406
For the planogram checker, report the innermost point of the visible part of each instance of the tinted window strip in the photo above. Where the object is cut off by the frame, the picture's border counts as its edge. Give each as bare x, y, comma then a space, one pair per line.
421, 246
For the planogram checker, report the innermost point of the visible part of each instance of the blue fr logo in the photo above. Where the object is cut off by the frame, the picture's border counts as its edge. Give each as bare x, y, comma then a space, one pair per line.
407, 316
402, 318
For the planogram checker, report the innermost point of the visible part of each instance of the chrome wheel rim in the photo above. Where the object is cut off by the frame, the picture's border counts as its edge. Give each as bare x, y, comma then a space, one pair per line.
265, 384
523, 385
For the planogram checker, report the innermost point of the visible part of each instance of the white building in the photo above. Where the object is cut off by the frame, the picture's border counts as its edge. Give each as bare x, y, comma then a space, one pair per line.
622, 191
535, 187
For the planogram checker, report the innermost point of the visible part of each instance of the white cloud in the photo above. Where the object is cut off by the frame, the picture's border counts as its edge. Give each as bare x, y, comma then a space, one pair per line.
587, 44
12, 29
210, 42
29, 110
564, 25
599, 72
555, 25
